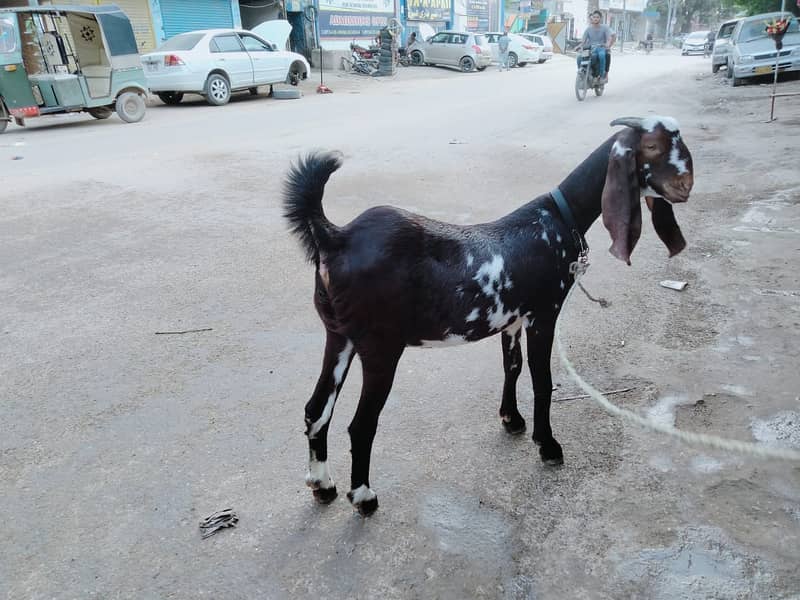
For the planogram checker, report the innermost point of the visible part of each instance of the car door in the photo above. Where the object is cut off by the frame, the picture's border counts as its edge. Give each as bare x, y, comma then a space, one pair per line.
268, 66
436, 48
227, 53
455, 48
491, 39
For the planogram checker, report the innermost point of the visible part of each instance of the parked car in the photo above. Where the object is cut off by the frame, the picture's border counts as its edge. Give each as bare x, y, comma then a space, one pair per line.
521, 51
695, 43
544, 41
752, 52
465, 50
722, 46
217, 62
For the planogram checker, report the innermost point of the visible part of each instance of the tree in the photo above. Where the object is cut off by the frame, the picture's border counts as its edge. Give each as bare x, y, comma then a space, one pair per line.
754, 7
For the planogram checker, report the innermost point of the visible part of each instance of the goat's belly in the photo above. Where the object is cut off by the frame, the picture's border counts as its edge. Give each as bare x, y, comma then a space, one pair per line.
450, 340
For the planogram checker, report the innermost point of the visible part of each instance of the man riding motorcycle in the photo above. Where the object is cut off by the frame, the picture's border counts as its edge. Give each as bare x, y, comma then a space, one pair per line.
600, 38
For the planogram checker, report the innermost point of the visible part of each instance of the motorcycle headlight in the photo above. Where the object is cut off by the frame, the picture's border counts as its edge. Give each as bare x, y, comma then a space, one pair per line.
747, 58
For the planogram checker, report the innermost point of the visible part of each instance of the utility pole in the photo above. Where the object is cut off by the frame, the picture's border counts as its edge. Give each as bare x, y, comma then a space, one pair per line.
624, 26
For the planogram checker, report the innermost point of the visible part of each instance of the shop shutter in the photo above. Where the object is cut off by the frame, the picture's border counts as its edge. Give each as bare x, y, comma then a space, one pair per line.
138, 12
179, 16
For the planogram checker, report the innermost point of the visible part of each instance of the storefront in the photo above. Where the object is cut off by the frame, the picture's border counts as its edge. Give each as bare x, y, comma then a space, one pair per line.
436, 13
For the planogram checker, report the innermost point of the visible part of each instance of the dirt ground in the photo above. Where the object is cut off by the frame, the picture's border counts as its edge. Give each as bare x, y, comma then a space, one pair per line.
116, 442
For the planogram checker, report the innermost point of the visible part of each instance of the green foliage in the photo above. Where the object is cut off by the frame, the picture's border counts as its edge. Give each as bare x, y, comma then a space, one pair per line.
754, 7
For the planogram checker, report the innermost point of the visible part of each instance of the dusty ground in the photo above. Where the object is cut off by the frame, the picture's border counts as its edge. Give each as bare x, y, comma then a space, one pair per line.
117, 441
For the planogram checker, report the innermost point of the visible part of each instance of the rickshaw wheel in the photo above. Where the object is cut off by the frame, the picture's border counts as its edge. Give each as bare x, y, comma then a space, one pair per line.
130, 107
100, 112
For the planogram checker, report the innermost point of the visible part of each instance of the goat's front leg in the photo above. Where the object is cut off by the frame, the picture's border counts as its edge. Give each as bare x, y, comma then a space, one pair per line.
540, 345
319, 409
512, 365
379, 369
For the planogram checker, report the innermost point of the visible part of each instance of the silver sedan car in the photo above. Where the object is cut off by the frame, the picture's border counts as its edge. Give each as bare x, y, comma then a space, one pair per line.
467, 51
217, 62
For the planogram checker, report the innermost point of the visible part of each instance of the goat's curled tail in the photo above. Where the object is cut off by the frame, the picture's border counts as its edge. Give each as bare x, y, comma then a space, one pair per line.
302, 202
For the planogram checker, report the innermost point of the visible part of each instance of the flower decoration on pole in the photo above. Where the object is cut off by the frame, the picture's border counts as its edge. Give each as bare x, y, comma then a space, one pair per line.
776, 29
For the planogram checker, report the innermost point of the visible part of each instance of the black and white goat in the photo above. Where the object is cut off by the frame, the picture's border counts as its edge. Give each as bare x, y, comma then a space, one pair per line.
392, 279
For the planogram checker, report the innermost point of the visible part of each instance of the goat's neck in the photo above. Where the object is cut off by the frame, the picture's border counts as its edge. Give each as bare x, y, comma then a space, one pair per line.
583, 188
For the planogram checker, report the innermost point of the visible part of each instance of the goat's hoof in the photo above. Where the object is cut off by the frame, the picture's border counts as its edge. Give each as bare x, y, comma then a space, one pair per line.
513, 424
550, 452
364, 500
325, 495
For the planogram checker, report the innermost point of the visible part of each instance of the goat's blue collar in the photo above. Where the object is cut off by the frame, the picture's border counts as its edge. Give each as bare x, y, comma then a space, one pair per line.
566, 213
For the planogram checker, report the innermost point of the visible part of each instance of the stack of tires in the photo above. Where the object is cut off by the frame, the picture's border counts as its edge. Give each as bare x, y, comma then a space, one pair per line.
386, 66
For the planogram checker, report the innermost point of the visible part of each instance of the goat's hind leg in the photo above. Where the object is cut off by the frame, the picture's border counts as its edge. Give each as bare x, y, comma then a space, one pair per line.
540, 347
319, 409
512, 366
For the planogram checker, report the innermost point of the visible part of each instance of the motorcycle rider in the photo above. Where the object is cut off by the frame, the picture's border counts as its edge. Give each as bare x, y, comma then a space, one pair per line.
600, 38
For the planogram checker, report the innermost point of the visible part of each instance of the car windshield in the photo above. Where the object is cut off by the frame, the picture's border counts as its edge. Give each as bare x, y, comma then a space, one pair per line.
754, 30
697, 35
184, 41
8, 35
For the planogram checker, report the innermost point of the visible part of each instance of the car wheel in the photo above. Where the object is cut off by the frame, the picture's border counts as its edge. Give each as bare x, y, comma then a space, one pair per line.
729, 70
416, 58
100, 112
481, 68
253, 91
170, 97
130, 107
715, 68
521, 64
541, 60
466, 64
218, 91
290, 94
296, 72
736, 81
512, 60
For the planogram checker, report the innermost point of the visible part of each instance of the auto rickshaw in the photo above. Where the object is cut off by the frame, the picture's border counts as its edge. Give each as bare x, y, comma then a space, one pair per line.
61, 59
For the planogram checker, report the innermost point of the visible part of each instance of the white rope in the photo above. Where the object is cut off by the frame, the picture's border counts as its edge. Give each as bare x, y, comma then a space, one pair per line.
701, 439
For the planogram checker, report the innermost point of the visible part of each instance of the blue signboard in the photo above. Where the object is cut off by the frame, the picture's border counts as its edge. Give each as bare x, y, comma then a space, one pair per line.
351, 24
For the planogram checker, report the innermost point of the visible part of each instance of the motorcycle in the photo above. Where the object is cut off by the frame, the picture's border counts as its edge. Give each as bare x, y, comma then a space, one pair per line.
588, 76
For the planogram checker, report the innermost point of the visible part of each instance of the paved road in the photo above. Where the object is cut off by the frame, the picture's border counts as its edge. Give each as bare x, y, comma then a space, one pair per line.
116, 441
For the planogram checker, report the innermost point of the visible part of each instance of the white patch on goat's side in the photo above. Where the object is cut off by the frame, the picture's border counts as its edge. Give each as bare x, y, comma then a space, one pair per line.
545, 238
318, 473
668, 123
619, 149
558, 238
362, 494
449, 340
470, 260
473, 316
562, 284
675, 157
563, 253
493, 280
338, 374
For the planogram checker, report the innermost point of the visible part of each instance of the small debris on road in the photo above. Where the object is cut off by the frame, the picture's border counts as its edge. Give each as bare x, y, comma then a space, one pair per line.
219, 520
674, 285
182, 332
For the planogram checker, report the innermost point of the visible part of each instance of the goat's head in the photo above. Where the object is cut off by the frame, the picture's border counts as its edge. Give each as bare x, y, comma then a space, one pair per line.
648, 158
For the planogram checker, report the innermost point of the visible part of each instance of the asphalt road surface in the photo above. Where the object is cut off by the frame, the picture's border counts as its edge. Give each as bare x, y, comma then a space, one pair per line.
115, 442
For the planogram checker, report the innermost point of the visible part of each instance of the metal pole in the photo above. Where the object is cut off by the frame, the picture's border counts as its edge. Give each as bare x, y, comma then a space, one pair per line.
775, 77
624, 26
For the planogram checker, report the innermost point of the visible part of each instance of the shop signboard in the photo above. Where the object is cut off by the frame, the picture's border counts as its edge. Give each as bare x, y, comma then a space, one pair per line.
429, 10
353, 18
478, 14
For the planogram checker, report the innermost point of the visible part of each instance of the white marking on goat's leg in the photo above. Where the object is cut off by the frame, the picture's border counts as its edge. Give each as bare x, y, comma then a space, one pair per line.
473, 316
338, 374
318, 475
361, 494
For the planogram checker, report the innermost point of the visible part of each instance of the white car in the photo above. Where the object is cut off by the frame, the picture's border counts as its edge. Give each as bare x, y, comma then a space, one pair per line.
521, 51
217, 62
695, 43
542, 40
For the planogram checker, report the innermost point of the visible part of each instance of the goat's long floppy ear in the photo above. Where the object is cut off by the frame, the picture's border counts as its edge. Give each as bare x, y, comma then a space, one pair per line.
622, 211
665, 224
